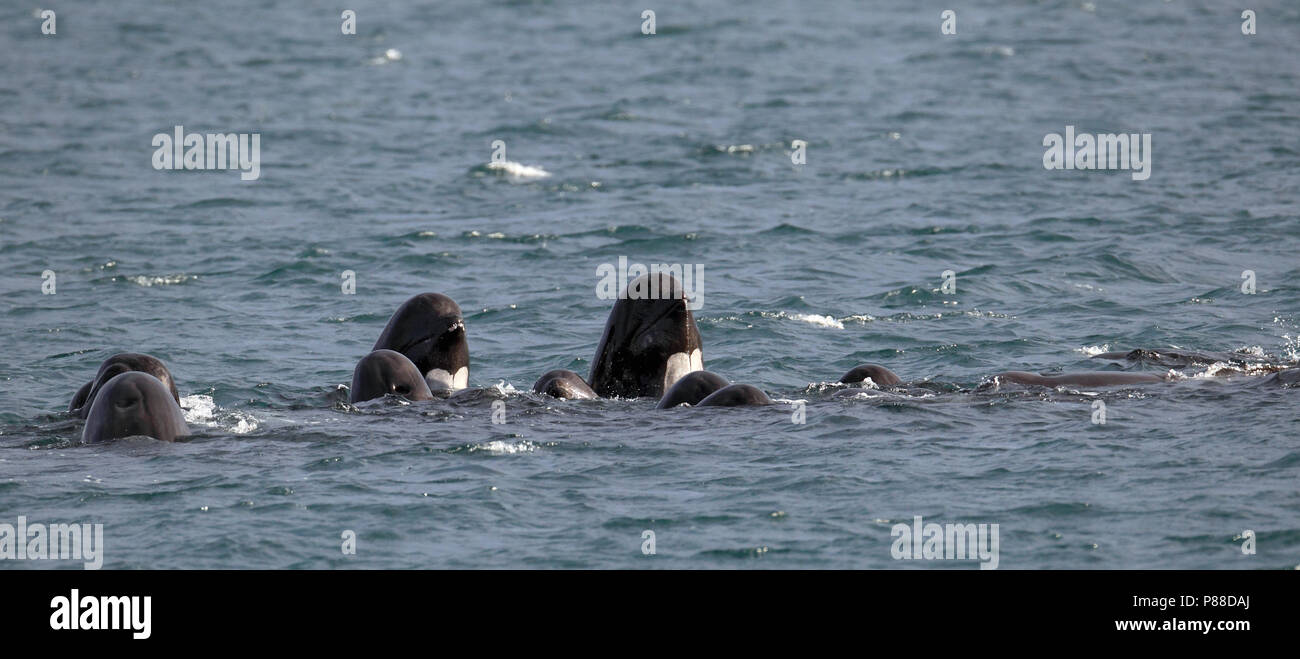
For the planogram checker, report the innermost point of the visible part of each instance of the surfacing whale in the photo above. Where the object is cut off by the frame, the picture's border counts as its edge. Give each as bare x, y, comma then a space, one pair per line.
134, 404
878, 374
118, 364
650, 340
384, 372
736, 395
692, 388
561, 383
430, 331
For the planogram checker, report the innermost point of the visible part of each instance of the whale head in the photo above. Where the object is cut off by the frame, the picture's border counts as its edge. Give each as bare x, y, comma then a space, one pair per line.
134, 404
650, 340
384, 372
116, 365
430, 331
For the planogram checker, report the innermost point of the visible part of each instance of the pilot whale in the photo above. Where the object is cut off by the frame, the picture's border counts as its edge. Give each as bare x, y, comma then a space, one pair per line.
692, 388
430, 331
384, 372
122, 362
650, 340
134, 403
561, 383
1086, 379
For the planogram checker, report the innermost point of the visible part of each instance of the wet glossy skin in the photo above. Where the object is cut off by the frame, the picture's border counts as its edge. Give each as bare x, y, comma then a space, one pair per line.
132, 404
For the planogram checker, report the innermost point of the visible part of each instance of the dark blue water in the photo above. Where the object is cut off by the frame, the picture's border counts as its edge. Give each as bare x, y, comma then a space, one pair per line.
924, 154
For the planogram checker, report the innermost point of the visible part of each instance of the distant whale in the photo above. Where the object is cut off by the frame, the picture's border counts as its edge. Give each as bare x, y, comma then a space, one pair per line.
563, 384
1287, 378
736, 395
1180, 358
692, 388
430, 331
649, 342
134, 404
880, 375
1095, 379
384, 372
122, 362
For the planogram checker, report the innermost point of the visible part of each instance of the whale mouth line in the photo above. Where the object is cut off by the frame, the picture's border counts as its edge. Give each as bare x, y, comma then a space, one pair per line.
647, 326
432, 338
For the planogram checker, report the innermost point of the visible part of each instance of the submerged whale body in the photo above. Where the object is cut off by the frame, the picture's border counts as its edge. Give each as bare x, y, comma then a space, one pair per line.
736, 395
430, 331
134, 404
650, 340
692, 388
385, 372
118, 364
1097, 379
1180, 358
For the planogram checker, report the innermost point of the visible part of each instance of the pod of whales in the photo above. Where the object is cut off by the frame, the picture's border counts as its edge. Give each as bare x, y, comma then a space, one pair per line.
650, 347
134, 404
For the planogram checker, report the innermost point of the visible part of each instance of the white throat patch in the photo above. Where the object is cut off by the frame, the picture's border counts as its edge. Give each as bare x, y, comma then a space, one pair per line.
680, 364
440, 380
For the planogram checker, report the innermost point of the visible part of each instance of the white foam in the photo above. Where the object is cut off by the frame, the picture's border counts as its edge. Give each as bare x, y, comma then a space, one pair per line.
814, 319
200, 409
390, 55
517, 170
160, 281
823, 321
499, 447
1093, 351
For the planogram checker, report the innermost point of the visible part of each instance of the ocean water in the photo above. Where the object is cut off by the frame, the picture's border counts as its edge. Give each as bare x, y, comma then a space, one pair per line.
924, 154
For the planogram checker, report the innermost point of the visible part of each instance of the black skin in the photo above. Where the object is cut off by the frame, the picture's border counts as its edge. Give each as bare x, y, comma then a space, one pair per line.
692, 388
384, 372
1287, 378
1179, 358
563, 384
640, 336
430, 331
131, 404
882, 376
1097, 379
736, 395
116, 365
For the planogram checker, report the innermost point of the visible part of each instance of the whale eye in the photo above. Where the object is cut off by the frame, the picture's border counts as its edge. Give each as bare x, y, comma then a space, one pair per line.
402, 389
